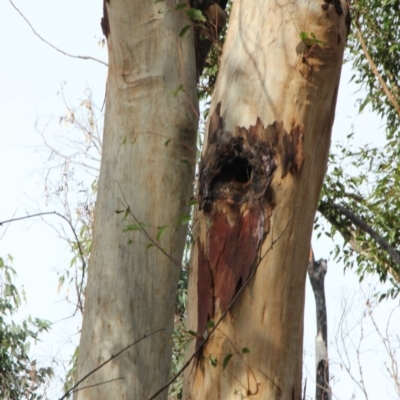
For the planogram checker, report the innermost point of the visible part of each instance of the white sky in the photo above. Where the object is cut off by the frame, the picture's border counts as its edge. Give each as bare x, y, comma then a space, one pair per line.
31, 74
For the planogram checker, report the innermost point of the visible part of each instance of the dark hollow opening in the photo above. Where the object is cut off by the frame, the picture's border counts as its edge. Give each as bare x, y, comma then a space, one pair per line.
237, 170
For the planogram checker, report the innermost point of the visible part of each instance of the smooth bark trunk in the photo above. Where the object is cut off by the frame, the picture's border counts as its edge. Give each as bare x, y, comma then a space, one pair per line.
147, 164
263, 163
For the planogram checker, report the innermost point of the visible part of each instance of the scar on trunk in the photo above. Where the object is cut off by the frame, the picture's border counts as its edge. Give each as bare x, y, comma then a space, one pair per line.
235, 194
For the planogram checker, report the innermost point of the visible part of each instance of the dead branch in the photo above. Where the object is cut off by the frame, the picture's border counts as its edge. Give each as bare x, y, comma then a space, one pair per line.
50, 44
73, 389
41, 214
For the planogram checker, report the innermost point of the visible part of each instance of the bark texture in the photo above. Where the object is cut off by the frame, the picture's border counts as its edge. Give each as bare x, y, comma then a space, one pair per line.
149, 141
262, 167
316, 272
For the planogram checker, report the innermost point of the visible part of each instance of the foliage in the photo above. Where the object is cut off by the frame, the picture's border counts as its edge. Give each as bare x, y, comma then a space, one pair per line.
208, 78
366, 179
357, 180
380, 32
20, 377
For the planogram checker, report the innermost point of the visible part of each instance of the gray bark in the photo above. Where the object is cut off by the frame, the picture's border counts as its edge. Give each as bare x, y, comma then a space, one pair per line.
316, 272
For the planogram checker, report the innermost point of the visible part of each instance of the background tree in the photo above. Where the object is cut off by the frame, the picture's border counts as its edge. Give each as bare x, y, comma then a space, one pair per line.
364, 180
20, 377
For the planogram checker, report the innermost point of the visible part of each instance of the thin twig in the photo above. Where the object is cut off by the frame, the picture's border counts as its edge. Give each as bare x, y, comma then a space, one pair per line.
5, 230
374, 69
144, 231
98, 384
176, 262
80, 304
205, 340
51, 45
368, 229
73, 389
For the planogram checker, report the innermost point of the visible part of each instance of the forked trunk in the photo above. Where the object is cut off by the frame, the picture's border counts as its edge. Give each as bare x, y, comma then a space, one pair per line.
263, 163
147, 165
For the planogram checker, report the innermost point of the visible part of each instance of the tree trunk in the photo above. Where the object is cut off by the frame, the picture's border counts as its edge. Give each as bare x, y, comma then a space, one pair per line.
316, 272
147, 165
262, 167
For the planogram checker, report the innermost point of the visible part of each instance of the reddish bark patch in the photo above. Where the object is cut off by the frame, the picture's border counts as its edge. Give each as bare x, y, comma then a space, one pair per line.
292, 149
235, 194
233, 242
205, 292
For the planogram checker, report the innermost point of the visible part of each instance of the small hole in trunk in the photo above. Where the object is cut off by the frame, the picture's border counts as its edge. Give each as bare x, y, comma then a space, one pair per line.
238, 170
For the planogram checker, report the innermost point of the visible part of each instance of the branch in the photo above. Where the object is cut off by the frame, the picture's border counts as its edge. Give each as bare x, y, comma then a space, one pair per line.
206, 339
360, 223
153, 242
143, 230
76, 238
146, 335
51, 45
374, 69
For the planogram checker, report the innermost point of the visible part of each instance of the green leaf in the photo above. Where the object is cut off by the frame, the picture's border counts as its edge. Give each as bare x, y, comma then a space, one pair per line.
213, 361
133, 227
226, 360
167, 143
176, 91
184, 30
127, 212
161, 231
188, 164
245, 350
183, 219
180, 6
195, 15
149, 245
210, 324
303, 35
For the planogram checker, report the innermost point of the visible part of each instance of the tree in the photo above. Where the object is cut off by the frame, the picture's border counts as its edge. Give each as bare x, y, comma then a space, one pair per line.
20, 376
360, 202
259, 181
262, 168
147, 168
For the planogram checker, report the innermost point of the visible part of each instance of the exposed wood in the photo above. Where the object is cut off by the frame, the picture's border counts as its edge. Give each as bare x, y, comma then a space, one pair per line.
262, 167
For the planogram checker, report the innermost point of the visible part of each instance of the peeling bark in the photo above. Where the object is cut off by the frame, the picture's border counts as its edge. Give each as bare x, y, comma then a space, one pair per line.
262, 166
234, 192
